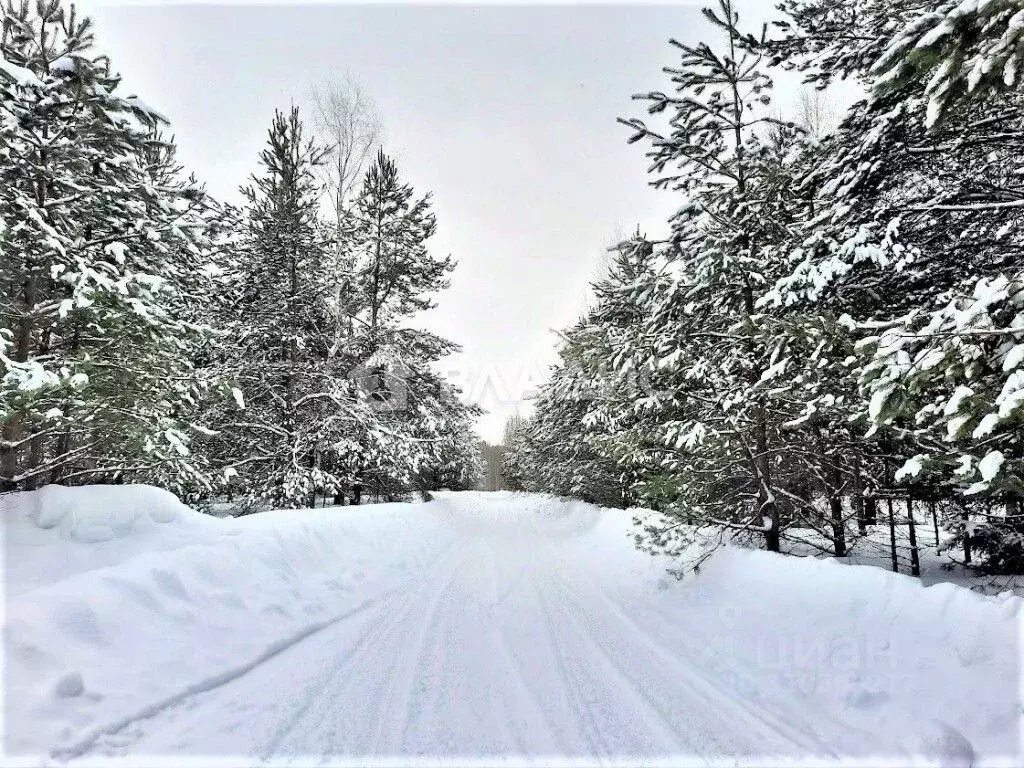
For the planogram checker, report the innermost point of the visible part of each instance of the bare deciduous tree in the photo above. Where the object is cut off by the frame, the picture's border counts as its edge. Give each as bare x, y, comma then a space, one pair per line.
814, 112
347, 120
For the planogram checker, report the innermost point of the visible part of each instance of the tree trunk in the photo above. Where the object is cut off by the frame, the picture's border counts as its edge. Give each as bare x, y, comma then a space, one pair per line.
838, 534
375, 289
767, 507
769, 511
935, 522
915, 561
835, 503
9, 435
892, 519
892, 537
314, 463
858, 496
966, 517
870, 510
13, 429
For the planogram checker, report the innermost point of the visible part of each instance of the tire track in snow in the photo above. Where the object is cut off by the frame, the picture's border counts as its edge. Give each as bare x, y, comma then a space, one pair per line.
392, 620
462, 678
210, 685
568, 671
398, 696
650, 709
674, 720
713, 695
837, 724
627, 659
667, 681
80, 746
568, 666
517, 673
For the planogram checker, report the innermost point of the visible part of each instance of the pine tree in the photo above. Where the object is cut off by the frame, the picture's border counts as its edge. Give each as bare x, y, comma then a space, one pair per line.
914, 238
393, 276
555, 455
512, 471
711, 402
959, 51
715, 336
293, 402
574, 444
444, 427
103, 253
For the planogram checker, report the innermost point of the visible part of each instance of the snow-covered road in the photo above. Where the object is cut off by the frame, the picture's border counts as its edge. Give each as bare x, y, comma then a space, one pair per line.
497, 626
504, 645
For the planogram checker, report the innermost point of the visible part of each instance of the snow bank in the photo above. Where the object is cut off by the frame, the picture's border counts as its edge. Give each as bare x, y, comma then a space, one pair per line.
57, 532
937, 668
120, 600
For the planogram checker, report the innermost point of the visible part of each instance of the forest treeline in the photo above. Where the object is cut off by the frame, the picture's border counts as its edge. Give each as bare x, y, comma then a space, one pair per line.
830, 333
266, 351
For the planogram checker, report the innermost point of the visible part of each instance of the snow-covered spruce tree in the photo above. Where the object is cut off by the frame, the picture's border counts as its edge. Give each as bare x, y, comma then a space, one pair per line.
676, 352
293, 404
882, 181
512, 470
916, 238
955, 367
445, 430
825, 40
217, 356
823, 466
103, 255
617, 423
554, 455
949, 382
394, 273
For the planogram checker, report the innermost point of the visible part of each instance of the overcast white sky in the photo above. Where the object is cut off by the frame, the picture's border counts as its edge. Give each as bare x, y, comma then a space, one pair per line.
506, 113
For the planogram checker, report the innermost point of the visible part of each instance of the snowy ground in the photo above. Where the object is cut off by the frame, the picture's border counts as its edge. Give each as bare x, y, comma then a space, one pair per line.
939, 563
472, 628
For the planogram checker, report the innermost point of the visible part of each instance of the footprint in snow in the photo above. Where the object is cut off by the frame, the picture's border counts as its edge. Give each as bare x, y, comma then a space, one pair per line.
864, 699
69, 686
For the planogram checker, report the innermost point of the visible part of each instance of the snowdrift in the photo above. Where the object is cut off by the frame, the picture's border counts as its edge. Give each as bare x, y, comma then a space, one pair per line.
938, 668
57, 532
121, 600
